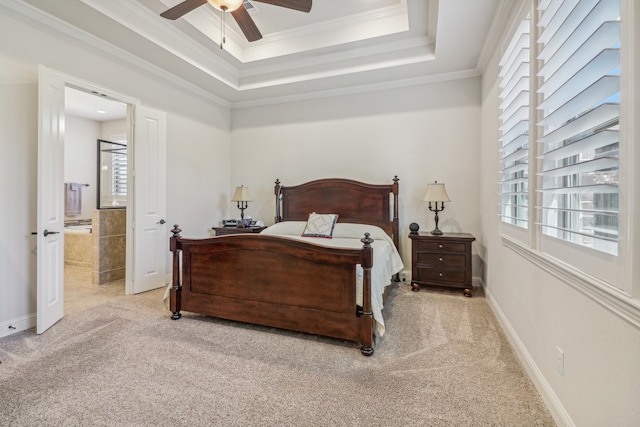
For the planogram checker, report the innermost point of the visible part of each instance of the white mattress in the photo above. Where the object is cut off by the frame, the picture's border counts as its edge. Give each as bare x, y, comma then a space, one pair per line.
386, 259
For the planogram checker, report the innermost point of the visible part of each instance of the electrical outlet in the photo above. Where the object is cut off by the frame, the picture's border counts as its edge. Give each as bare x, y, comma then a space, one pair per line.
560, 360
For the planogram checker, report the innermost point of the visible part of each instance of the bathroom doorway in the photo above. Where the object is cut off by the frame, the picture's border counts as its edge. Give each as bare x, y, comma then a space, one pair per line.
146, 243
94, 241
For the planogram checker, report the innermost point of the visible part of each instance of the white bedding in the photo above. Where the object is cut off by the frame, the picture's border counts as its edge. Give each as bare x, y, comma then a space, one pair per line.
386, 259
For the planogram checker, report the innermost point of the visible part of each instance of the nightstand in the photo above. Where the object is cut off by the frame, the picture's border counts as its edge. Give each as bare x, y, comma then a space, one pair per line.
224, 231
441, 261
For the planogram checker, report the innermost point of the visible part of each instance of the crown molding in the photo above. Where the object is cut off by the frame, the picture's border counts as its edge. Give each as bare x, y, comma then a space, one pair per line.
306, 68
63, 28
339, 64
494, 35
351, 90
136, 17
352, 29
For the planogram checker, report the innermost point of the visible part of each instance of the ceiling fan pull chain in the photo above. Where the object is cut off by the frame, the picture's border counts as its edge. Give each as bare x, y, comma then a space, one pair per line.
222, 27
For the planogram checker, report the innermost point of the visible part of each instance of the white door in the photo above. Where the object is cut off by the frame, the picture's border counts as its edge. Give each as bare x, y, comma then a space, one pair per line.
50, 222
151, 233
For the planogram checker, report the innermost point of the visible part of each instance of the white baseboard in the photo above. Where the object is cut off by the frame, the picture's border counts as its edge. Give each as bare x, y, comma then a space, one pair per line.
476, 282
13, 326
557, 410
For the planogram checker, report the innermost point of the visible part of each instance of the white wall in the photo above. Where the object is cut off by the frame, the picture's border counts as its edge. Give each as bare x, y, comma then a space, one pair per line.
601, 381
18, 141
80, 154
113, 130
198, 175
198, 147
421, 134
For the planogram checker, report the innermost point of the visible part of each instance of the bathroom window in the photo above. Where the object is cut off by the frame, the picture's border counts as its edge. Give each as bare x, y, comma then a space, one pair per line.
112, 174
119, 175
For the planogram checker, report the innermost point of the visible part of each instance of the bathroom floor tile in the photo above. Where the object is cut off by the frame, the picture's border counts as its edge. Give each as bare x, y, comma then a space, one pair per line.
80, 294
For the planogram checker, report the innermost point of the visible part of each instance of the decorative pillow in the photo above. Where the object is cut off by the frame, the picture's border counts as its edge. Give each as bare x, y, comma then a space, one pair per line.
320, 225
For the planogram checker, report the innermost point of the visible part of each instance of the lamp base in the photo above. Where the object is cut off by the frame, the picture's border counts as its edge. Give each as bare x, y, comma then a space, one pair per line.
436, 231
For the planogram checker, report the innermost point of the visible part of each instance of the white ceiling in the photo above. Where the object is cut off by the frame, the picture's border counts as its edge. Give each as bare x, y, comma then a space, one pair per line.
93, 106
341, 46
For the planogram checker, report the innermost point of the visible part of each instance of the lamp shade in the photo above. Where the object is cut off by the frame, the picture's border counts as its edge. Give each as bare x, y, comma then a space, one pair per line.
225, 5
241, 194
436, 193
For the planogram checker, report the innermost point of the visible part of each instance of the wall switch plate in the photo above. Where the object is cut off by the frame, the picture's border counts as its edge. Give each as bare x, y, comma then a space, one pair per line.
560, 360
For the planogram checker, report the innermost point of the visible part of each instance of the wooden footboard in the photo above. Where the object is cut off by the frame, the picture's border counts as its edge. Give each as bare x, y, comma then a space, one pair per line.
275, 281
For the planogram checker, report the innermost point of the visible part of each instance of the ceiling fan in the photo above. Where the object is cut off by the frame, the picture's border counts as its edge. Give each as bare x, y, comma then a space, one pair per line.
237, 10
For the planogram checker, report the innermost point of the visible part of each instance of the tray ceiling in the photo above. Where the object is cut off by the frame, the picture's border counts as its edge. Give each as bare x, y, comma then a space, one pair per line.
339, 47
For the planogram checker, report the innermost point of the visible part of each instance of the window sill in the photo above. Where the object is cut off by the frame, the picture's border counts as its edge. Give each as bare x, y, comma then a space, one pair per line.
601, 292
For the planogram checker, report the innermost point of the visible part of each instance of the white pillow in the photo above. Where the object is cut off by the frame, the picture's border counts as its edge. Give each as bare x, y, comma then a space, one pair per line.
320, 225
356, 231
286, 228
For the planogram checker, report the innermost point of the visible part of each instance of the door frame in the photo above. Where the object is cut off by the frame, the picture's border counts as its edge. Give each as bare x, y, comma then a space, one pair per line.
133, 104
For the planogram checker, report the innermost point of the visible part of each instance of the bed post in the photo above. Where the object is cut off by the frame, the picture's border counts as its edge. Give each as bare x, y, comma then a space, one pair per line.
396, 222
278, 192
176, 289
366, 316
396, 225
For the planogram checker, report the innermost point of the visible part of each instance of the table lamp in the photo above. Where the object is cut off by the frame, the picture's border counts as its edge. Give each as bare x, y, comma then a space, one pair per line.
435, 194
241, 196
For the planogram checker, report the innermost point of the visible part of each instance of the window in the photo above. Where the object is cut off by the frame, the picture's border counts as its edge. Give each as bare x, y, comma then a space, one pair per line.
514, 128
119, 172
579, 53
112, 174
564, 175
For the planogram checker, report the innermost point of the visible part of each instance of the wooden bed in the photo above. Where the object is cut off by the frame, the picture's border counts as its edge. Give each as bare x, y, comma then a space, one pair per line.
285, 283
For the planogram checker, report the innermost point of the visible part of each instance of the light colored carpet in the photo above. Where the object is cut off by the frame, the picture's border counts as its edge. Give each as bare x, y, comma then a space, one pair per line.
443, 362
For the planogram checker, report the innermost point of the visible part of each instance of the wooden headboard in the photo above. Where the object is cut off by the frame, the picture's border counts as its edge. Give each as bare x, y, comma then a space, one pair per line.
355, 202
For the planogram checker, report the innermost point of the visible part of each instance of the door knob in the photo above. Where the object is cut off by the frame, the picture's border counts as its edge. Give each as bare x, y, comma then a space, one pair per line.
162, 221
47, 232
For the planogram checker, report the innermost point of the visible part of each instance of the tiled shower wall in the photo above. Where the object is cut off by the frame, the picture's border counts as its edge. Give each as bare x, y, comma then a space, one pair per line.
109, 251
78, 250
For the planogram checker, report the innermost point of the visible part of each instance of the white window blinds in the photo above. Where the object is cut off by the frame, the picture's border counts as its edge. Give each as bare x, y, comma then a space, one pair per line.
514, 128
580, 89
119, 171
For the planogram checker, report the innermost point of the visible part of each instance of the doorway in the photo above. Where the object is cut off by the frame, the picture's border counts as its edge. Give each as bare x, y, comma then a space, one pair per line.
94, 260
147, 242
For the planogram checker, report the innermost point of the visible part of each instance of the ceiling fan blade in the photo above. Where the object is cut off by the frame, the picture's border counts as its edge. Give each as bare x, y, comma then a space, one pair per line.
246, 24
301, 5
182, 9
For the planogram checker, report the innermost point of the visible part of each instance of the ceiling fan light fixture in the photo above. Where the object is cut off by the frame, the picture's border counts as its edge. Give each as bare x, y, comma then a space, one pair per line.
226, 5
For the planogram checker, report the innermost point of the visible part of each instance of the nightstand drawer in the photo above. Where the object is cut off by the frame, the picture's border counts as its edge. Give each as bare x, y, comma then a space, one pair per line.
442, 260
428, 274
441, 246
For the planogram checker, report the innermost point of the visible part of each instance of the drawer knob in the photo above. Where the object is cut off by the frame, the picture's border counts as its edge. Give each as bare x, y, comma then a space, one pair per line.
440, 246
440, 259
440, 274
